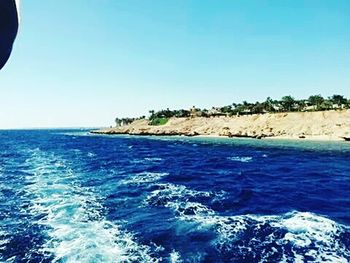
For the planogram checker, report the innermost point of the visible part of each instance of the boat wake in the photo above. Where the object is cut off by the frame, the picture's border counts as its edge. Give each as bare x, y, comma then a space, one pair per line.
76, 229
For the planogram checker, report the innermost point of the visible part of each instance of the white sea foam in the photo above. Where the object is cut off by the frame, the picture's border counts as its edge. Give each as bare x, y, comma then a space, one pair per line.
174, 191
190, 209
76, 228
146, 160
242, 159
3, 240
175, 257
153, 159
145, 177
308, 234
91, 155
78, 232
174, 196
305, 229
311, 237
178, 198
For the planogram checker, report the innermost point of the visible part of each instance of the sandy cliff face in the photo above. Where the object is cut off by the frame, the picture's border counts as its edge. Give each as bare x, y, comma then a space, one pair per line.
326, 125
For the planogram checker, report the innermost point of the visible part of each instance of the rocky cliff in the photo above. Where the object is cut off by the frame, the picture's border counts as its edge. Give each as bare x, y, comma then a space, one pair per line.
324, 125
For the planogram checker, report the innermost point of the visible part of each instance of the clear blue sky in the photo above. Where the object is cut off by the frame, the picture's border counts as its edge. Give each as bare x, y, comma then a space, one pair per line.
84, 62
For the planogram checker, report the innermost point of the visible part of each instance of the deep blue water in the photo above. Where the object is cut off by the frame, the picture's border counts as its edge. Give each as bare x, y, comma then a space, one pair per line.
66, 196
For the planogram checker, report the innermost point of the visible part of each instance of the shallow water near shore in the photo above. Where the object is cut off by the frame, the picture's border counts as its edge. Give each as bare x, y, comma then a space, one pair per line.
67, 196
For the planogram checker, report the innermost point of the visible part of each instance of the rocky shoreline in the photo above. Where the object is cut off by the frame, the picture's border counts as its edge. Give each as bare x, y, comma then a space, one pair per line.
325, 125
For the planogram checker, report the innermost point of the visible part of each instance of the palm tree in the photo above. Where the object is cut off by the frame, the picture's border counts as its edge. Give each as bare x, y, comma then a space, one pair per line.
287, 103
151, 114
347, 104
117, 122
269, 105
258, 108
301, 104
338, 100
326, 105
316, 101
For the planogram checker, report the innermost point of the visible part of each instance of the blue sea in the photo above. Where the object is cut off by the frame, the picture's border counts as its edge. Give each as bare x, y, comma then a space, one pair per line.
68, 196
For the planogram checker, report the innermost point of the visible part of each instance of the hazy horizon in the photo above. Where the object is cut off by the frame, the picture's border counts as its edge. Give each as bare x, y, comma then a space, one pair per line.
83, 63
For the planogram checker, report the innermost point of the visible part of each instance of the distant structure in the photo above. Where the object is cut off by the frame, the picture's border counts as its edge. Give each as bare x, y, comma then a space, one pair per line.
122, 122
193, 112
216, 112
285, 104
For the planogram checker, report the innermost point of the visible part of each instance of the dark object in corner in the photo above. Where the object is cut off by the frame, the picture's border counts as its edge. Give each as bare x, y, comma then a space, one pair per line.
346, 139
8, 29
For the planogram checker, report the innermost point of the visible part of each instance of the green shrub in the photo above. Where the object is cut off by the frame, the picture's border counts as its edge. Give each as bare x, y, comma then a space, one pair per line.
158, 121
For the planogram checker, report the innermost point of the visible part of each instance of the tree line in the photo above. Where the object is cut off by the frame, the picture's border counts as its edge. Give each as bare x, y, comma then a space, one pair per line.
285, 104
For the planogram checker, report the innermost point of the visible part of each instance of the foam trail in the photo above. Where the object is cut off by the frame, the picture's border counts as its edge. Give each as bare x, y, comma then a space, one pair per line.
77, 230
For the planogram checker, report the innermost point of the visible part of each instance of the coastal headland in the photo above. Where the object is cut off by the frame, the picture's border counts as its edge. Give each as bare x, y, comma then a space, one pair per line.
318, 125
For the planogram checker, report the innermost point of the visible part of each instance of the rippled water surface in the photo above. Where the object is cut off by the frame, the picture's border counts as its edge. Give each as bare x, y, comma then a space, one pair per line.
66, 196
